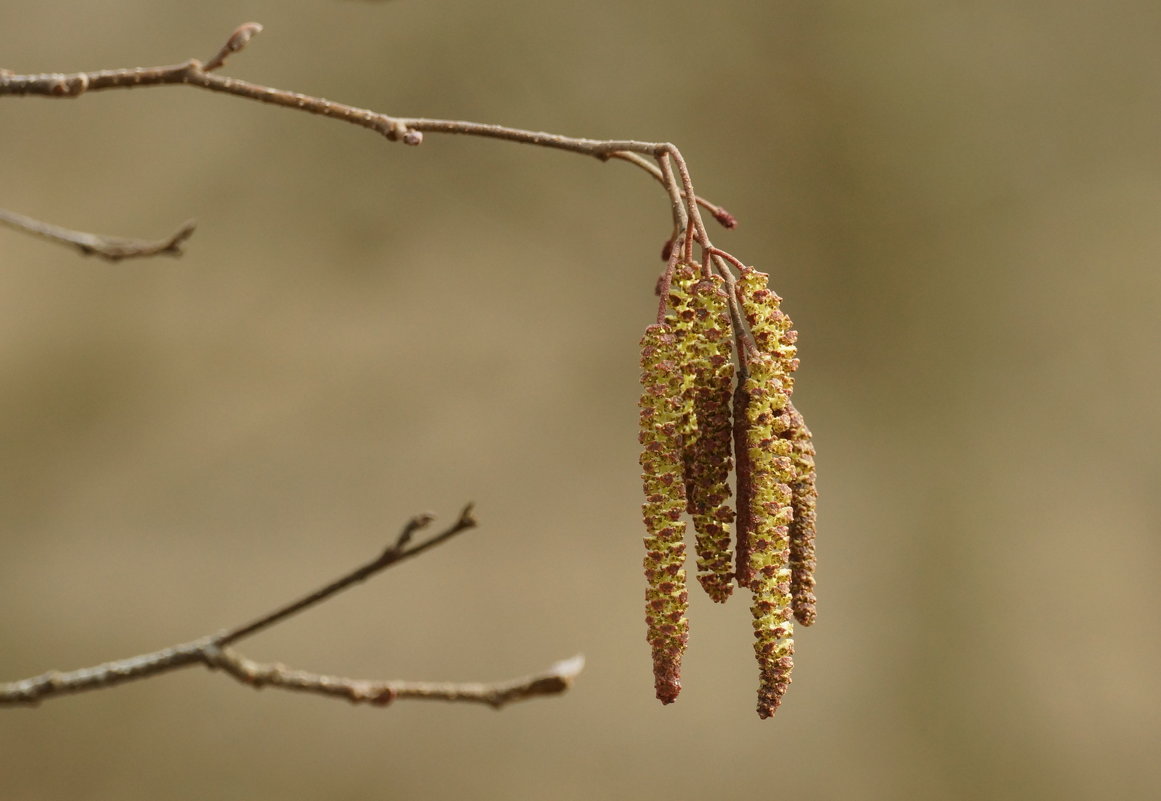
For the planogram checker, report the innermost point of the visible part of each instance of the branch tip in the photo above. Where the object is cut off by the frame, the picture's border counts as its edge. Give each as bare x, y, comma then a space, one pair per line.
569, 669
417, 523
111, 248
725, 218
467, 519
238, 40
667, 249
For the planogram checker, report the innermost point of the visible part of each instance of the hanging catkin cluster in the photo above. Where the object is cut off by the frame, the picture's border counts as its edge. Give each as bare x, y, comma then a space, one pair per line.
697, 410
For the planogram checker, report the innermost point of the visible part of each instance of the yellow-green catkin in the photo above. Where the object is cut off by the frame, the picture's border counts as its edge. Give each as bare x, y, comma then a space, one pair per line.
707, 460
666, 598
772, 475
681, 318
771, 328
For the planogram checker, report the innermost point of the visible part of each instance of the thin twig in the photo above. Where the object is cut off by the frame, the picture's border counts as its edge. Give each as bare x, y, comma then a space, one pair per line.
396, 552
676, 198
556, 679
194, 73
109, 247
726, 219
409, 130
696, 228
212, 652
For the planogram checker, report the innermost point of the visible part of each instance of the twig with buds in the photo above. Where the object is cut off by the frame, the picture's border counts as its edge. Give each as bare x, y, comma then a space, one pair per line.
408, 130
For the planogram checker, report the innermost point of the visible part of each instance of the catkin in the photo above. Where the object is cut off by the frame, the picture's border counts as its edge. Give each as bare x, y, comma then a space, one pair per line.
804, 498
693, 415
771, 328
773, 473
702, 327
666, 598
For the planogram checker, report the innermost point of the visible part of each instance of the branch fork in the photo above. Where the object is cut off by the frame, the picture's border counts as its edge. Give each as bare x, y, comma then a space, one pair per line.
214, 651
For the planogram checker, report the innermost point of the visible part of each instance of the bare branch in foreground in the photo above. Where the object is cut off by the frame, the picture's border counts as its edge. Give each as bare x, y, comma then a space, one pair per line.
553, 681
112, 248
212, 651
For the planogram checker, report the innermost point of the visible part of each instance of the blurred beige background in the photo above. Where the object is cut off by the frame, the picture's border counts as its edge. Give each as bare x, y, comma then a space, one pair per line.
960, 203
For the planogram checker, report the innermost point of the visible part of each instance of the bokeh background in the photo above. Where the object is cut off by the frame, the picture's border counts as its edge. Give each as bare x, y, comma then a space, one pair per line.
960, 204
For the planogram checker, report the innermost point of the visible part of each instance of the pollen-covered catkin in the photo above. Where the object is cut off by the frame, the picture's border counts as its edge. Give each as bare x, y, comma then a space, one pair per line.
666, 598
772, 473
772, 334
694, 415
772, 476
680, 317
707, 457
771, 328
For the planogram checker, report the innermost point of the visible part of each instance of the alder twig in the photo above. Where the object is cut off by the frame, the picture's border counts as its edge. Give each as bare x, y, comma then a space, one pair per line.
212, 651
398, 551
555, 680
409, 130
726, 219
108, 247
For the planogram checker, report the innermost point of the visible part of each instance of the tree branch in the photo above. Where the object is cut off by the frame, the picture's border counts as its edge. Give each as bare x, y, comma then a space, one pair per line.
109, 247
553, 681
212, 651
409, 130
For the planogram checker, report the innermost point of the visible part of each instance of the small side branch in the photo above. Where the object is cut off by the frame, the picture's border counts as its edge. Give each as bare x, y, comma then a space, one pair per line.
401, 549
213, 652
726, 219
553, 681
112, 248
